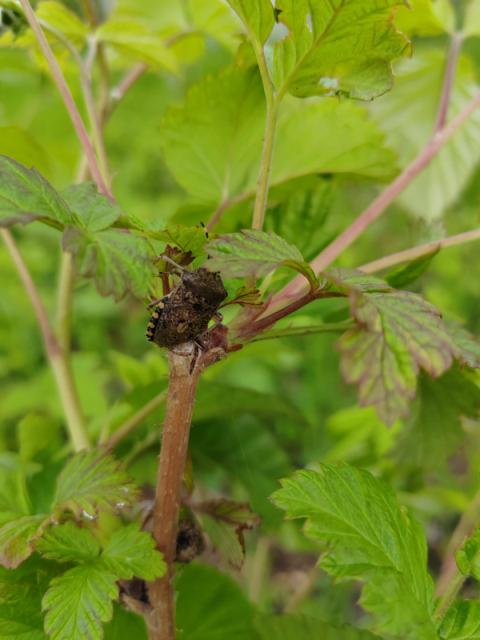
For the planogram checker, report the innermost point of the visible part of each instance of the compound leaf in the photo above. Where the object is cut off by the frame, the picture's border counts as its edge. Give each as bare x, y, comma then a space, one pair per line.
25, 196
342, 46
366, 535
68, 543
88, 482
77, 603
17, 539
398, 334
118, 261
131, 552
96, 211
254, 253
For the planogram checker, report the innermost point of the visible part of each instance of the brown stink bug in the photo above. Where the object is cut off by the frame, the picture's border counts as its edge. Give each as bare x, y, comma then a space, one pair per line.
183, 315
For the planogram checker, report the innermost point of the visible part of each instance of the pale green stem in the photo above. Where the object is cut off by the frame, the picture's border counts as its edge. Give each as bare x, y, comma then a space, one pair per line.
448, 598
261, 199
56, 355
64, 300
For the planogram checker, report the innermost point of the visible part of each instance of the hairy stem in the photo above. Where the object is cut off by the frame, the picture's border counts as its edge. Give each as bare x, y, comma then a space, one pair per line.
55, 353
134, 421
64, 90
419, 251
381, 203
173, 455
261, 198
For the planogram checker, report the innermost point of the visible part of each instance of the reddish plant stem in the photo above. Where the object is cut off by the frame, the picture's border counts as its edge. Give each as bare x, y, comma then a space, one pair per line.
176, 429
380, 204
452, 61
64, 90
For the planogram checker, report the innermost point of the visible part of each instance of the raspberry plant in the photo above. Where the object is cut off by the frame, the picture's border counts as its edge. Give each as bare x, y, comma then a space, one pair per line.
292, 148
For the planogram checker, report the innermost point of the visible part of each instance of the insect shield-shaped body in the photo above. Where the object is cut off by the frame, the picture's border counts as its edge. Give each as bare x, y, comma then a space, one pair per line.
184, 314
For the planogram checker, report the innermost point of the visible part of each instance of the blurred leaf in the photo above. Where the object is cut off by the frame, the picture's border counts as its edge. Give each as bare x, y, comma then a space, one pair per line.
467, 344
337, 47
68, 543
468, 556
224, 521
212, 142
23, 147
406, 274
461, 622
81, 598
131, 552
414, 104
435, 428
256, 15
254, 253
62, 20
25, 196
296, 627
471, 20
426, 17
36, 433
397, 334
217, 611
89, 482
118, 261
17, 539
96, 211
125, 626
137, 41
366, 535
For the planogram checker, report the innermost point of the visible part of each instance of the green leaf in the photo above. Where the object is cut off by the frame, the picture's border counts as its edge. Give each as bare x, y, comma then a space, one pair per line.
256, 15
21, 145
25, 196
135, 40
77, 603
406, 274
125, 625
68, 543
471, 20
17, 539
61, 19
120, 262
398, 334
435, 429
418, 88
95, 211
467, 344
461, 622
89, 482
224, 521
254, 253
468, 556
35, 433
366, 535
426, 17
19, 622
217, 611
297, 627
339, 47
131, 552
187, 239
213, 141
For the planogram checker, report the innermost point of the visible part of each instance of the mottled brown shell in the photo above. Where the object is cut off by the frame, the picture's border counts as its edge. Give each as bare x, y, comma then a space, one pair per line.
184, 314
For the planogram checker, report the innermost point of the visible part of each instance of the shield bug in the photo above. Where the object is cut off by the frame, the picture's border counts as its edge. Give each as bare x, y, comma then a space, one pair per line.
183, 315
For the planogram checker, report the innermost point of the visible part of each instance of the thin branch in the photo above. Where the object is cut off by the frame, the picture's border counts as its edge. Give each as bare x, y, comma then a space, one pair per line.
67, 98
261, 198
381, 203
421, 250
452, 61
134, 421
55, 354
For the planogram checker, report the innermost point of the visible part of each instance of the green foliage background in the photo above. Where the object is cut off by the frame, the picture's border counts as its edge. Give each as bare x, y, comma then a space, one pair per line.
274, 406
